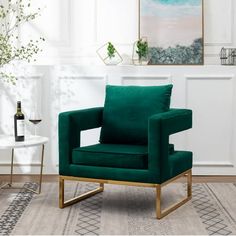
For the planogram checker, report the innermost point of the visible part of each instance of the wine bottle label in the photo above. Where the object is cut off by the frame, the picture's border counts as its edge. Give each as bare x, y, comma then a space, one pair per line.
20, 127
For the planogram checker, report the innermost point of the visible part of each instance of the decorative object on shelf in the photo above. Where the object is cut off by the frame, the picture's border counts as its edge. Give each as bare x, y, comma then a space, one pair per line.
174, 30
109, 55
228, 56
11, 47
140, 52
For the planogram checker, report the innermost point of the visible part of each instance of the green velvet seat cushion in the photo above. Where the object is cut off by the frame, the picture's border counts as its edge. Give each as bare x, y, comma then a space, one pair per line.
127, 110
112, 155
179, 162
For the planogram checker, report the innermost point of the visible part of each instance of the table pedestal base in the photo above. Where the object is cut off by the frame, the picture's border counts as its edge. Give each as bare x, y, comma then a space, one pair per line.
11, 176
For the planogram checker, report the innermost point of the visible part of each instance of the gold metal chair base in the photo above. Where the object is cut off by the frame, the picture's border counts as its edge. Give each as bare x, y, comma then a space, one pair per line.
63, 203
159, 212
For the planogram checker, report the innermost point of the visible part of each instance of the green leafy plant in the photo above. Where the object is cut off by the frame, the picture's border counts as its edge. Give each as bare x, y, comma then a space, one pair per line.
13, 14
142, 49
111, 50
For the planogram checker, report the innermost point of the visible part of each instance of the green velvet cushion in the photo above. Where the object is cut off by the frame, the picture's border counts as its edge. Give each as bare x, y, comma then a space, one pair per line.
127, 109
112, 155
179, 162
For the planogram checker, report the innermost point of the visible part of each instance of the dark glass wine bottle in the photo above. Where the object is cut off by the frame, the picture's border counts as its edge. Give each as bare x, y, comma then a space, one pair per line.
19, 124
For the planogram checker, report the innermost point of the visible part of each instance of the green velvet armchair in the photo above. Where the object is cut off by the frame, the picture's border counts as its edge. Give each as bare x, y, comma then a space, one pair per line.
133, 148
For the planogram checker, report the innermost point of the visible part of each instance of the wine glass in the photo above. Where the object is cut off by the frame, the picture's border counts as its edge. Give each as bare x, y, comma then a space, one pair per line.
35, 118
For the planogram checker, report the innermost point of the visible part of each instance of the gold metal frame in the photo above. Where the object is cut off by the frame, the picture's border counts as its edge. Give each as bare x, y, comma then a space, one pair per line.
203, 36
40, 175
159, 212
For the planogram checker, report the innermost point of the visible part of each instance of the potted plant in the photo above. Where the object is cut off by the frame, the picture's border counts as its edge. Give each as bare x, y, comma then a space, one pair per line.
12, 16
109, 55
140, 52
110, 50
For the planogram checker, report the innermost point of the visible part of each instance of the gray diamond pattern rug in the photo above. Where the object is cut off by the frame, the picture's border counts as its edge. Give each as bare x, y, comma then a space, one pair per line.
119, 210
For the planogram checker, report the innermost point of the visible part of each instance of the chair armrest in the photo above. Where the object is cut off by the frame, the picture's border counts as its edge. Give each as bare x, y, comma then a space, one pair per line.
175, 120
161, 126
70, 124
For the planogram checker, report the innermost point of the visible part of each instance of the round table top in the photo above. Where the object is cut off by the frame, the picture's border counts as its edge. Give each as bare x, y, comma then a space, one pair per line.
7, 141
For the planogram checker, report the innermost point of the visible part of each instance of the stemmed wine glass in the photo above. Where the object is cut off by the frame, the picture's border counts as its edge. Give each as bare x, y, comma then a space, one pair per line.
35, 118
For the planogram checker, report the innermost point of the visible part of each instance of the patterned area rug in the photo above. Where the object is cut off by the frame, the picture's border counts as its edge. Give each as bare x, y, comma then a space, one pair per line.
118, 210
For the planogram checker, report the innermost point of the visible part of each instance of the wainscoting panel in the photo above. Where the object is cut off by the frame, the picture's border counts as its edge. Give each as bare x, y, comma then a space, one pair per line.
146, 80
209, 91
219, 11
80, 92
212, 99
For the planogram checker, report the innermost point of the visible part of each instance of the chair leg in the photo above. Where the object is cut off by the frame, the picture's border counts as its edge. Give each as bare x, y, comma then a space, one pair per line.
158, 201
61, 192
63, 203
189, 177
161, 213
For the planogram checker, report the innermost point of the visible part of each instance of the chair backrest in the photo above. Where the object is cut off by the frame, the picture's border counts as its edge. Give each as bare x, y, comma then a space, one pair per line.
127, 109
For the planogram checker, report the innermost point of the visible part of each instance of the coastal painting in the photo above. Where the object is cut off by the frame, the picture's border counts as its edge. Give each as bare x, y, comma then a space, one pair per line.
174, 29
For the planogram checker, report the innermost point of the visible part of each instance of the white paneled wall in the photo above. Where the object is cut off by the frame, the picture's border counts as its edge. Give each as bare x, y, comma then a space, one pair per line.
214, 118
69, 75
210, 91
74, 29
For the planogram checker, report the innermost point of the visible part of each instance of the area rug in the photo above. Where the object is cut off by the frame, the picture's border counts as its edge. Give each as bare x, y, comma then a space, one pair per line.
119, 210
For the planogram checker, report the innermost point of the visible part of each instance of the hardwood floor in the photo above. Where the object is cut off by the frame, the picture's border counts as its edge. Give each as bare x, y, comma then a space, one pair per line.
54, 178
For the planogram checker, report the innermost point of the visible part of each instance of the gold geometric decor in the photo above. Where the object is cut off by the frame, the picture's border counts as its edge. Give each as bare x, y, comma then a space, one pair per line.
109, 55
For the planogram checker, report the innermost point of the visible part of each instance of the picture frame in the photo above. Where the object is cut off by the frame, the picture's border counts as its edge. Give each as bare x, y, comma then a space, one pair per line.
175, 31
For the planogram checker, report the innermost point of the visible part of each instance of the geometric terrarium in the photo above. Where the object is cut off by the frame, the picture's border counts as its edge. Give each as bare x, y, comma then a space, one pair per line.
109, 54
140, 52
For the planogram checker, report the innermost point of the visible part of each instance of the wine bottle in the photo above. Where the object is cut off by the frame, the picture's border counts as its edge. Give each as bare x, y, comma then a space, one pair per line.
19, 124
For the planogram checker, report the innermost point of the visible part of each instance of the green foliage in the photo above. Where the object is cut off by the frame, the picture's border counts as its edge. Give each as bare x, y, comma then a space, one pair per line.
111, 50
12, 16
142, 49
9, 77
178, 55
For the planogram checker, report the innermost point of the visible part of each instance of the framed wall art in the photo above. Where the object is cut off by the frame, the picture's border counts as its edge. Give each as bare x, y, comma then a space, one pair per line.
174, 29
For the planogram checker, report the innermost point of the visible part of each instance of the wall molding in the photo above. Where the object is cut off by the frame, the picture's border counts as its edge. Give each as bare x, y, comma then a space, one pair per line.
158, 77
3, 164
31, 76
216, 164
203, 77
83, 77
230, 41
216, 77
209, 76
66, 34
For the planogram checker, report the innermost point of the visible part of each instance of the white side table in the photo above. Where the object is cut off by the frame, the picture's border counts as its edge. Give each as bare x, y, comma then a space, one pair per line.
8, 142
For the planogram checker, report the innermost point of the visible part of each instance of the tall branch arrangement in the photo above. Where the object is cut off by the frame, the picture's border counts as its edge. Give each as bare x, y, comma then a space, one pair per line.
13, 14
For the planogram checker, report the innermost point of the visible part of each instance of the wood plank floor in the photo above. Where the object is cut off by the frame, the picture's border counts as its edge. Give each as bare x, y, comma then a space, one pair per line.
54, 178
